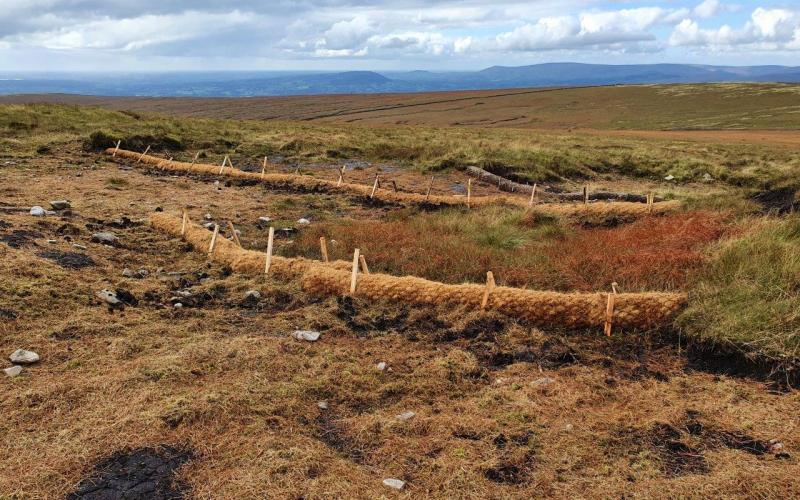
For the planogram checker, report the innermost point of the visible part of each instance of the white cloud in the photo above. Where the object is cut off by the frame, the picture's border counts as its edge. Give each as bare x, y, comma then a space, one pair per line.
767, 29
134, 33
347, 34
708, 9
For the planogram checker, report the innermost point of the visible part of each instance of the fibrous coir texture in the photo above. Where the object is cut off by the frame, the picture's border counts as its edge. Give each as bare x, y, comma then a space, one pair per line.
306, 183
541, 308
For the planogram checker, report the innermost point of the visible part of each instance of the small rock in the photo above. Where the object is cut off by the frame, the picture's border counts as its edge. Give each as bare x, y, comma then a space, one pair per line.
264, 220
381, 366
209, 225
775, 446
128, 273
105, 238
307, 335
37, 211
568, 427
783, 456
303, 221
208, 217
60, 205
707, 177
23, 357
143, 273
79, 246
52, 242
322, 405
669, 178
397, 484
177, 305
109, 298
543, 381
252, 294
406, 415
13, 371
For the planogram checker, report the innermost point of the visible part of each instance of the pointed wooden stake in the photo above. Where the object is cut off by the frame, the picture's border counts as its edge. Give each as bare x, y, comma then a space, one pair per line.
586, 194
650, 201
394, 185
374, 187
430, 186
323, 248
270, 241
184, 223
143, 154
194, 160
213, 241
234, 235
533, 195
364, 267
489, 289
263, 168
610, 310
222, 167
116, 148
469, 192
341, 177
354, 276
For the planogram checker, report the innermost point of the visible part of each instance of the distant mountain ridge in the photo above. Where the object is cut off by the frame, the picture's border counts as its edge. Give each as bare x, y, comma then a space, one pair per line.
367, 82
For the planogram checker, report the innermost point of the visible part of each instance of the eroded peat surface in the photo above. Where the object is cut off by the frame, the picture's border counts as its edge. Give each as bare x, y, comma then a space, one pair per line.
216, 398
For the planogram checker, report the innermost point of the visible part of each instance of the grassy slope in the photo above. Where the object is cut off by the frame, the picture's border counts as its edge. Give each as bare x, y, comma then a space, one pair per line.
647, 107
750, 298
538, 157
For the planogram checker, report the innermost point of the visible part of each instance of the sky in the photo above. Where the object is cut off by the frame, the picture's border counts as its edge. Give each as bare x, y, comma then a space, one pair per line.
206, 35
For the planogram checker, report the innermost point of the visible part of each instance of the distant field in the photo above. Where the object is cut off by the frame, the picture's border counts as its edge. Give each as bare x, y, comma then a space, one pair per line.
646, 107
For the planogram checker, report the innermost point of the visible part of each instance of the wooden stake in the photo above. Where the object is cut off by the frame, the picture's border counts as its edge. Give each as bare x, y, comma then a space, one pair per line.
194, 160
430, 186
213, 241
364, 267
374, 187
354, 276
489, 289
650, 200
323, 248
184, 222
339, 182
263, 168
116, 148
610, 310
143, 154
233, 233
270, 241
533, 195
222, 167
469, 191
586, 194
297, 170
394, 185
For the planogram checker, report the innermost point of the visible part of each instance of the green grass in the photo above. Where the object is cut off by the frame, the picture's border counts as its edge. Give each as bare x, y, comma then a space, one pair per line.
749, 299
27, 130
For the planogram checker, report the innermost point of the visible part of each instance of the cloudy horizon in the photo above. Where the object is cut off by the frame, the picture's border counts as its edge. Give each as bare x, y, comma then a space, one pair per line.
315, 35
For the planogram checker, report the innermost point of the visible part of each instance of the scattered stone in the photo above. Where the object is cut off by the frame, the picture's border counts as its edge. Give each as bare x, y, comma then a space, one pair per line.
252, 293
13, 371
775, 446
143, 273
208, 217
303, 221
23, 357
128, 273
322, 405
37, 211
209, 225
251, 299
397, 484
79, 246
105, 238
543, 381
286, 232
60, 205
568, 427
669, 178
177, 305
707, 177
406, 415
52, 242
110, 298
307, 335
264, 220
381, 366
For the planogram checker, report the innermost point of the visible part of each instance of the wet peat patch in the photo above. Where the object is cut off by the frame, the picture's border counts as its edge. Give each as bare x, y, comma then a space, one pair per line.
135, 474
20, 238
68, 260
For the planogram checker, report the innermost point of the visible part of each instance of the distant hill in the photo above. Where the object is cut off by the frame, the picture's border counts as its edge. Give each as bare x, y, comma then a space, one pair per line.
368, 82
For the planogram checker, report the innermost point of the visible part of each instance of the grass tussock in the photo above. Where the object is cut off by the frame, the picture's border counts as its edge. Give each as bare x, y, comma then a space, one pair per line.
749, 298
655, 253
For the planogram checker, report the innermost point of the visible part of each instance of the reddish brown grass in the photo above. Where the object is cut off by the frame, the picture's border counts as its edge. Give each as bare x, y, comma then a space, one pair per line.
656, 253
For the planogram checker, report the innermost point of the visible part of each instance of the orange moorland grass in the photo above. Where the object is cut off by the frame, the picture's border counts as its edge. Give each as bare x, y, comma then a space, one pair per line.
654, 253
